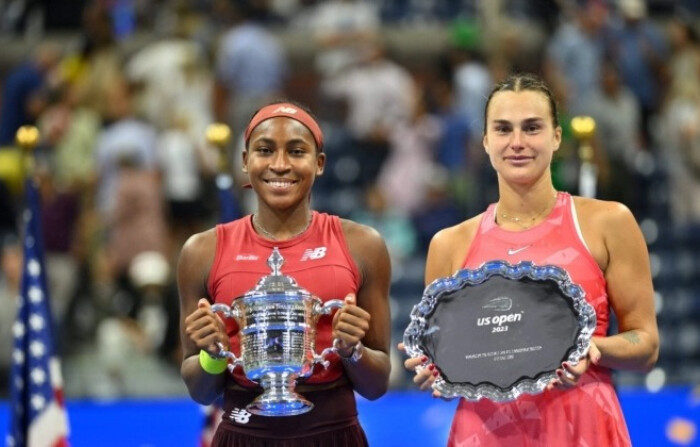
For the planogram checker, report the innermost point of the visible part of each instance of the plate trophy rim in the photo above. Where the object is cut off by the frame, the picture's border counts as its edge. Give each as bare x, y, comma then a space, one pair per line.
420, 314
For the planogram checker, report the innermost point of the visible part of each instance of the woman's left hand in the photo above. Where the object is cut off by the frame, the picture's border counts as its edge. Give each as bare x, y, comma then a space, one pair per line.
350, 324
569, 375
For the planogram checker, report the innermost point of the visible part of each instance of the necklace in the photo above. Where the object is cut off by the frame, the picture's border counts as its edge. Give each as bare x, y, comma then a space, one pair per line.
527, 222
261, 229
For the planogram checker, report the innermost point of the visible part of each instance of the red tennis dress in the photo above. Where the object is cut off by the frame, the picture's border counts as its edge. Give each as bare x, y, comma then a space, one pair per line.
588, 415
319, 260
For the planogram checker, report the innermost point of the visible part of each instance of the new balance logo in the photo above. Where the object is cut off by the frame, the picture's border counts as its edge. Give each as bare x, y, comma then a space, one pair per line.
285, 109
313, 253
240, 416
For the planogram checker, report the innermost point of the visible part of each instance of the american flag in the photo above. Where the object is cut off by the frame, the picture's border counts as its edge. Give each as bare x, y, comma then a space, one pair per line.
38, 414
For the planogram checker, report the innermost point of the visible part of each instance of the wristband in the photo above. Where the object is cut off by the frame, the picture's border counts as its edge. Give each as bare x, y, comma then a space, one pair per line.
211, 365
355, 354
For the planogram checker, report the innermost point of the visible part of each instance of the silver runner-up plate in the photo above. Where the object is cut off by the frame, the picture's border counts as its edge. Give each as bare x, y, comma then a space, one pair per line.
500, 330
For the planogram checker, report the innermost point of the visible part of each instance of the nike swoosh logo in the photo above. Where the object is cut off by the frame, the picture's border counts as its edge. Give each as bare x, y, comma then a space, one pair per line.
512, 251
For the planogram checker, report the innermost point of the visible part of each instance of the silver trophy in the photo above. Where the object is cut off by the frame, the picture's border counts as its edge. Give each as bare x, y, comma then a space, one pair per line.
277, 321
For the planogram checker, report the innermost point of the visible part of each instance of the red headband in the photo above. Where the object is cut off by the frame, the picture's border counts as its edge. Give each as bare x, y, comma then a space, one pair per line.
290, 111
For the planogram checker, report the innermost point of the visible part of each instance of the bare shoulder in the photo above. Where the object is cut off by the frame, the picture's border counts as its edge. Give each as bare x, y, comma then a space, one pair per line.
607, 215
367, 248
457, 236
199, 245
449, 247
609, 229
361, 237
196, 259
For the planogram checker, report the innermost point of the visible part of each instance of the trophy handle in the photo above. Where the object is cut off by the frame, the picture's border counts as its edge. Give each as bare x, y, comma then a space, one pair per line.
326, 352
321, 358
228, 312
235, 361
326, 309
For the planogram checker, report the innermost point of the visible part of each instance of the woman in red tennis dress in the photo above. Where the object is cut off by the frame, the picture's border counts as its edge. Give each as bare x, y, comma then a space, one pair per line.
601, 246
331, 258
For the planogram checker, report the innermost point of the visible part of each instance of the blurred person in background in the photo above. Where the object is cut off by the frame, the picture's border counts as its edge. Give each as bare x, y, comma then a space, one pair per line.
94, 67
617, 117
440, 210
24, 91
597, 242
172, 76
187, 167
641, 49
130, 199
684, 61
172, 83
679, 131
378, 95
330, 257
575, 53
394, 225
472, 79
69, 134
251, 64
125, 136
412, 148
455, 152
60, 211
139, 325
137, 222
342, 30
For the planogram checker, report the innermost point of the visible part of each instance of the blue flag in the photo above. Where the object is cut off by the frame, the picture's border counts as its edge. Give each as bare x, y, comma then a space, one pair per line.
38, 415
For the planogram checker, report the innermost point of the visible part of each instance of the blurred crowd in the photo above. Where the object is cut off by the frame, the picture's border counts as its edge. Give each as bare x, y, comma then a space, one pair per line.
126, 172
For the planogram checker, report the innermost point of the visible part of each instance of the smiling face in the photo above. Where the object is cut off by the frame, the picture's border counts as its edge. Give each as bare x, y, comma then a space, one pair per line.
520, 136
282, 162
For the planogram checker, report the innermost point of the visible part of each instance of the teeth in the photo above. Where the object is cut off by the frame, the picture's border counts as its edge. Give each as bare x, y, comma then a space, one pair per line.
278, 184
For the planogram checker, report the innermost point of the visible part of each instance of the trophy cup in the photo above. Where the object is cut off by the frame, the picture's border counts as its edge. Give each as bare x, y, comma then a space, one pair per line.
500, 330
277, 321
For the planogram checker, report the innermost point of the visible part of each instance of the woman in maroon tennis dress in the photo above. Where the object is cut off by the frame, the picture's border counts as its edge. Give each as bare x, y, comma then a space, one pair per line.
332, 258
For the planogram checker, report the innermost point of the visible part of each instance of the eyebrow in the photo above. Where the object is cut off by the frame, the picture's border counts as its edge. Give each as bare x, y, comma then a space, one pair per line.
525, 121
266, 140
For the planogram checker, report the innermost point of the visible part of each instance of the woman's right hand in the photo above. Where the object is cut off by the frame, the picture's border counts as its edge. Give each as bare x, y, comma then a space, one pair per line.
206, 329
425, 374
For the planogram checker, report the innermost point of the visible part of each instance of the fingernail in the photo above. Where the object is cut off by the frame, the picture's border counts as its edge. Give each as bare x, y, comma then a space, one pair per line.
424, 359
435, 373
431, 367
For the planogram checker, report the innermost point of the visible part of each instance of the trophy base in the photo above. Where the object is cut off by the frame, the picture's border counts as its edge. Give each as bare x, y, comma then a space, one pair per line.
279, 397
291, 405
